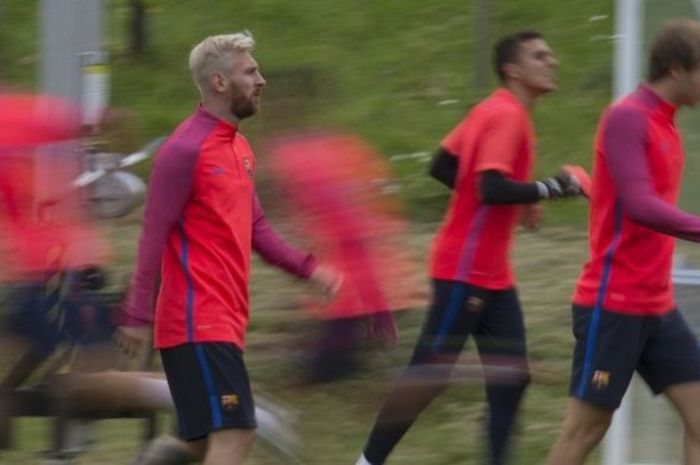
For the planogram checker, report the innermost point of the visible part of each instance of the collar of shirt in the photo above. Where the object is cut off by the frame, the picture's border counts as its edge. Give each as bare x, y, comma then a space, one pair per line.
506, 95
654, 101
224, 128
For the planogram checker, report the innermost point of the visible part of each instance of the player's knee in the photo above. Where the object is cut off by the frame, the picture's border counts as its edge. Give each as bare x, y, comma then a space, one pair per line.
586, 433
232, 439
248, 437
692, 427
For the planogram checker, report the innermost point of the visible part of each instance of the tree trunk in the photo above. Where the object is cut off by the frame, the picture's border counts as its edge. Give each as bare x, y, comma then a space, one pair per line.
138, 34
482, 43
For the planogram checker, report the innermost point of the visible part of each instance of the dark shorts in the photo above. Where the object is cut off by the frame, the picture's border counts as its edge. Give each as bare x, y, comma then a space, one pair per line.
210, 387
34, 315
47, 319
458, 310
611, 346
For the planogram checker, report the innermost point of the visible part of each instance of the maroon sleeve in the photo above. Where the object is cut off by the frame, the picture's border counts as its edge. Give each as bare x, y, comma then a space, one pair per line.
625, 142
274, 250
169, 190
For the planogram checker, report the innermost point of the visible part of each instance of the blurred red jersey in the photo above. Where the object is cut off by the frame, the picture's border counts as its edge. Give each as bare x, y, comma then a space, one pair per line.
43, 224
333, 183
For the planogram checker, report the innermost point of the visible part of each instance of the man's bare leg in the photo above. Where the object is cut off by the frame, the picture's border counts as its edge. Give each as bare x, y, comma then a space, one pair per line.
584, 427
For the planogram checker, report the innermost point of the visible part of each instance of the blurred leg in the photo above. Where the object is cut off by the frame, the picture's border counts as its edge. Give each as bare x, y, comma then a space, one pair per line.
168, 450
30, 357
441, 341
684, 398
229, 446
584, 427
334, 353
500, 339
114, 391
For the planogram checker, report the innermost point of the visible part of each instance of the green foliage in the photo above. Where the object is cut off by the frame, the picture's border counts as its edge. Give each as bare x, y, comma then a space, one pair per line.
398, 73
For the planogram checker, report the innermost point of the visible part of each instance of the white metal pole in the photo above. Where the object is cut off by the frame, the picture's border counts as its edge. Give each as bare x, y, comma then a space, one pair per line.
69, 29
629, 21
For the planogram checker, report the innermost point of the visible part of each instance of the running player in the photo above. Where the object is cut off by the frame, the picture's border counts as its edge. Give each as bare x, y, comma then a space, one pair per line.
624, 315
487, 159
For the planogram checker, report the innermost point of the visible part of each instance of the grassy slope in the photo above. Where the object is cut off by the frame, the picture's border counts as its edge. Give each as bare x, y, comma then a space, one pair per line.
389, 64
384, 67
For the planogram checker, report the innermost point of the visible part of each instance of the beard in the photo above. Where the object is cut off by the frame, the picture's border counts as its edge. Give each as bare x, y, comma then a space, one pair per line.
242, 106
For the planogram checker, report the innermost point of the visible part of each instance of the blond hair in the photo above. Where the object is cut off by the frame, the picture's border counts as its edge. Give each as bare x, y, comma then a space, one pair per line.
211, 55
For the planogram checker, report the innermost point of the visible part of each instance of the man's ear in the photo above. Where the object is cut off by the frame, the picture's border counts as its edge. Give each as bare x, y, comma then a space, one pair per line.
676, 71
511, 70
218, 82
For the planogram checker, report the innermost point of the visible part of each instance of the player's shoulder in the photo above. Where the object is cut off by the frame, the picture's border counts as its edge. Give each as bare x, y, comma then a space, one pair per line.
189, 136
500, 108
626, 111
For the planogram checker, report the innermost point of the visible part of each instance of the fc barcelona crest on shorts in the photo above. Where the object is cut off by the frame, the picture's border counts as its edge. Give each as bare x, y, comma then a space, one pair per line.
600, 380
229, 402
475, 304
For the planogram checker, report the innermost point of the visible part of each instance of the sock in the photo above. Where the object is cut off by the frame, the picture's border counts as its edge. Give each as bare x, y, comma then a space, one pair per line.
363, 461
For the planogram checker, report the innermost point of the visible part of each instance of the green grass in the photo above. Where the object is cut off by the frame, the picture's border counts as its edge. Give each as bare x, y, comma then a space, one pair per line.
334, 419
382, 68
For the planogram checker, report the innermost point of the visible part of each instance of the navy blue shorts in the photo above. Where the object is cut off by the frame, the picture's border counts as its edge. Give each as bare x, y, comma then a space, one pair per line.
34, 315
611, 346
210, 388
80, 317
458, 310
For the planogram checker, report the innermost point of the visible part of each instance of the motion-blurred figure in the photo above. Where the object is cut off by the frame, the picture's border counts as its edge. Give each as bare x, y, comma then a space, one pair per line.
58, 325
338, 191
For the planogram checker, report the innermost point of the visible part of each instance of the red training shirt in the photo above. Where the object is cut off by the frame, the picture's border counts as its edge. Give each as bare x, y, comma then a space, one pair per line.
475, 239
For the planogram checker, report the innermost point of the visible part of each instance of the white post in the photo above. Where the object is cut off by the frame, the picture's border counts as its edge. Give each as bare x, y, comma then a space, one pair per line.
628, 48
70, 30
628, 45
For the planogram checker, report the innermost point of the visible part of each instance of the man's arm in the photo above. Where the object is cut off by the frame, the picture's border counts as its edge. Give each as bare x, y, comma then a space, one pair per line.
496, 188
624, 143
500, 142
444, 166
169, 189
274, 250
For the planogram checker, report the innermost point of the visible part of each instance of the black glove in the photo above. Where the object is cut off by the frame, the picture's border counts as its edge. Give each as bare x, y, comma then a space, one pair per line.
562, 185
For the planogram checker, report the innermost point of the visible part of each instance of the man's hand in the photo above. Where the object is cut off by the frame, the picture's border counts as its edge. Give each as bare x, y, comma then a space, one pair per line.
580, 177
531, 216
571, 181
134, 341
328, 278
